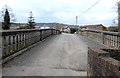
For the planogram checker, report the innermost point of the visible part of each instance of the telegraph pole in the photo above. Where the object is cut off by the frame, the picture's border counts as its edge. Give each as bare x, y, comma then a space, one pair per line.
76, 20
119, 22
119, 17
76, 24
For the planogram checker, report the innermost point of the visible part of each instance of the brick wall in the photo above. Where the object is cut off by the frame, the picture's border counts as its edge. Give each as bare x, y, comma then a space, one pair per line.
103, 62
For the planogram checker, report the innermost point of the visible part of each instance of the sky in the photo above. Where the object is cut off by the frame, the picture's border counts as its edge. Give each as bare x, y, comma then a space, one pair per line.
64, 11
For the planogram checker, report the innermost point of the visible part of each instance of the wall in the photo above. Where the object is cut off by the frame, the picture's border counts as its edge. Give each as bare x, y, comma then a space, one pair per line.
16, 40
110, 39
103, 63
97, 28
92, 27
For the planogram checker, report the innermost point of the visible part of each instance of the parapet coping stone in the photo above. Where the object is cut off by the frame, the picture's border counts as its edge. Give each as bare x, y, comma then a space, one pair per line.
102, 54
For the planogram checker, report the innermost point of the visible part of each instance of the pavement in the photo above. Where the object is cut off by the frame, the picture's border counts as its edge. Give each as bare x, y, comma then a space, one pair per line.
59, 55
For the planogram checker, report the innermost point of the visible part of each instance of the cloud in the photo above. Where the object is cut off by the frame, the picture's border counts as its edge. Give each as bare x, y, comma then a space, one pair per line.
63, 11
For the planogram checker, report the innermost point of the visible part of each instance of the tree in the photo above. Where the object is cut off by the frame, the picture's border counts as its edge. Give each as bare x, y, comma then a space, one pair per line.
11, 14
105, 28
31, 23
113, 28
6, 23
58, 26
7, 17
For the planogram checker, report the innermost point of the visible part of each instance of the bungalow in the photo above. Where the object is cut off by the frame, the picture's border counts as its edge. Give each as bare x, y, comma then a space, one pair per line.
92, 27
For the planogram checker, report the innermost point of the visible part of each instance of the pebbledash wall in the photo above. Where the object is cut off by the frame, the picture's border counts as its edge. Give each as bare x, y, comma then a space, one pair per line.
16, 40
103, 62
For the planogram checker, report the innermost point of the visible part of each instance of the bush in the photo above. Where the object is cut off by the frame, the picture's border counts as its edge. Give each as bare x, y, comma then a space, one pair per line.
24, 27
105, 28
113, 28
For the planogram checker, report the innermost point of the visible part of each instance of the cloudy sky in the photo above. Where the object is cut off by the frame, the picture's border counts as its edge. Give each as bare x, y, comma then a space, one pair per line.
64, 11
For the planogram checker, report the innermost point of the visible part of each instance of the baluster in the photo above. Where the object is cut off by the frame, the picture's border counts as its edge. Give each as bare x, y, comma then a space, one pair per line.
25, 39
30, 39
23, 43
13, 45
17, 43
20, 45
4, 47
40, 35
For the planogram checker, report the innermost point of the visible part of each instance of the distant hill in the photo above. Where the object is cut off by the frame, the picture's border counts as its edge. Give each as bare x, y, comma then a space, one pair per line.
48, 24
39, 24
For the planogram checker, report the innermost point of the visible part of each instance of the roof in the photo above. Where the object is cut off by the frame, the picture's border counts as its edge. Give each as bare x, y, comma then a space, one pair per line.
91, 26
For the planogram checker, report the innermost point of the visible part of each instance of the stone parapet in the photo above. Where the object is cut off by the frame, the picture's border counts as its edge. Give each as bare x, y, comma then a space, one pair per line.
103, 63
16, 40
111, 39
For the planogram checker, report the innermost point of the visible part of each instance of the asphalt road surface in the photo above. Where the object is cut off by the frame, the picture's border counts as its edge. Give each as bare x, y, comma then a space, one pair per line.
59, 55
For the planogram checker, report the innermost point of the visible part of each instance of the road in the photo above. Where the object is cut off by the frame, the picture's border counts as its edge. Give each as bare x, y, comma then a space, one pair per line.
59, 55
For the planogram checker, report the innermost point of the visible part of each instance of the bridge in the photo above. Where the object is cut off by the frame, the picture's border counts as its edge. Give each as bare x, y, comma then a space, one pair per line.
48, 52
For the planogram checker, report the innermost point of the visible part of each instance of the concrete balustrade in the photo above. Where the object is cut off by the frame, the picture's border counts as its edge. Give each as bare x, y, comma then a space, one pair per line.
111, 39
16, 40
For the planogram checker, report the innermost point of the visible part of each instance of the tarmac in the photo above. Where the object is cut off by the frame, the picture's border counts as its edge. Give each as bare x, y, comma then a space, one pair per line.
59, 55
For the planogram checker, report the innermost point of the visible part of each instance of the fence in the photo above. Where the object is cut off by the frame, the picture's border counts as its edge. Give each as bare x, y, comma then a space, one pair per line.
111, 39
16, 40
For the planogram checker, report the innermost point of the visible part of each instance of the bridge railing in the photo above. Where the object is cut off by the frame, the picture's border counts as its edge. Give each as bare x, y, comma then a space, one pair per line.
111, 39
16, 40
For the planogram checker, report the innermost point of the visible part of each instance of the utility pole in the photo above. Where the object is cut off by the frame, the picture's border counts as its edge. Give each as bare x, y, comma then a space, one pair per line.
76, 20
119, 22
119, 17
76, 24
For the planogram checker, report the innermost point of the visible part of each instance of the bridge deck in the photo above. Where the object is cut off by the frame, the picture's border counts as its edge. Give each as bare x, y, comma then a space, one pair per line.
60, 55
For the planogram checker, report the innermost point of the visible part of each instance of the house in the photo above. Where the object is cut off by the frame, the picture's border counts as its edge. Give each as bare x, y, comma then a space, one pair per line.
70, 29
14, 26
92, 27
43, 26
66, 29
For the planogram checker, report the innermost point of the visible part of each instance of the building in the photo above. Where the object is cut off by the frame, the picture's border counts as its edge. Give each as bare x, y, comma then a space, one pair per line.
43, 26
92, 27
66, 29
14, 26
70, 29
